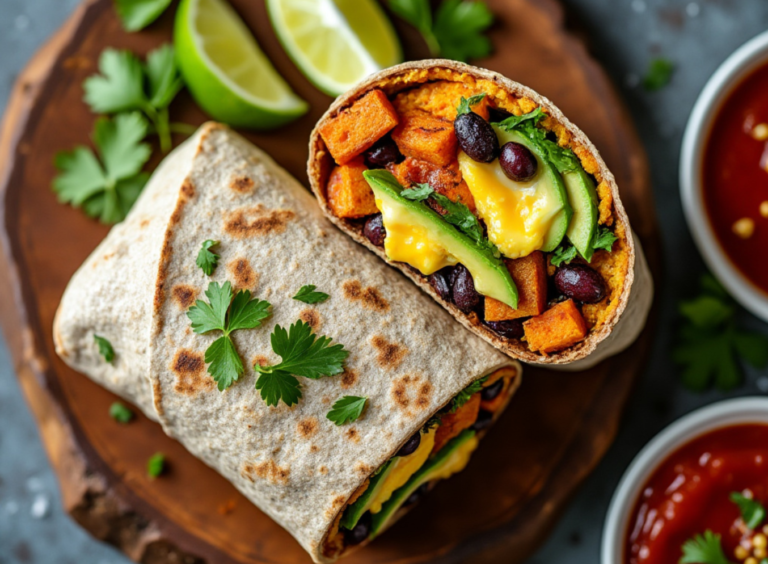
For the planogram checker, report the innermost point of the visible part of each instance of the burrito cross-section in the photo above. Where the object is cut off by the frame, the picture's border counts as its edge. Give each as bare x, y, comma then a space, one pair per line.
326, 387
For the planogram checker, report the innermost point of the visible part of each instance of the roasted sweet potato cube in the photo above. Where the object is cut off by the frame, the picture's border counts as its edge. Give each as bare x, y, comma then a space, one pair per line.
348, 193
445, 180
559, 327
452, 424
530, 276
426, 137
358, 127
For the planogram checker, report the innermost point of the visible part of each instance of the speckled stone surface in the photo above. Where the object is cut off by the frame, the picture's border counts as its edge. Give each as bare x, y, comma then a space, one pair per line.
625, 35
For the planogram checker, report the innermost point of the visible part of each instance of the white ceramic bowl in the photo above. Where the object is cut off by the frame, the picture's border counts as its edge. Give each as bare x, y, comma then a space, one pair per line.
679, 433
747, 58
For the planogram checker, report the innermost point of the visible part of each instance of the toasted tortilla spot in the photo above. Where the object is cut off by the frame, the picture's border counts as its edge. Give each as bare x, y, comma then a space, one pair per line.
326, 400
157, 397
410, 391
314, 448
242, 184
143, 223
188, 189
261, 360
256, 221
311, 317
389, 355
245, 278
425, 391
267, 470
323, 469
307, 427
336, 504
365, 470
353, 434
191, 378
369, 296
349, 378
184, 295
400, 392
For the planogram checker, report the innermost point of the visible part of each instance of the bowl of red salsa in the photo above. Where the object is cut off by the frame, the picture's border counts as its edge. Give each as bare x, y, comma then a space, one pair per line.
698, 490
724, 174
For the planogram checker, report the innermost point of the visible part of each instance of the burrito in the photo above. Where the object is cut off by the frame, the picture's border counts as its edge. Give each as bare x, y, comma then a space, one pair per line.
483, 193
331, 392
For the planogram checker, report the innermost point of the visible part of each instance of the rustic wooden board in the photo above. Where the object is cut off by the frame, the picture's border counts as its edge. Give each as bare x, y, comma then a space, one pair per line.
500, 508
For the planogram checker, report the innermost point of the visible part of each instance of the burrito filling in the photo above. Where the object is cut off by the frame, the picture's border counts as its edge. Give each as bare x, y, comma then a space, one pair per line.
487, 197
438, 450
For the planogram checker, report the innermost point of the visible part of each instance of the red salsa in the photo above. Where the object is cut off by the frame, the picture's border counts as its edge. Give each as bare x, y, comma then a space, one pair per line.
689, 493
735, 176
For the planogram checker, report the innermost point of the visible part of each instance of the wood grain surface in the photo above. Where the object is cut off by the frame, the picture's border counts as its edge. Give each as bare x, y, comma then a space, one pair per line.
500, 509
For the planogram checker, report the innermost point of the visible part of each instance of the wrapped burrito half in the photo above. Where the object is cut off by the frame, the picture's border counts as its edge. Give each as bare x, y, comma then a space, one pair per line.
489, 199
248, 377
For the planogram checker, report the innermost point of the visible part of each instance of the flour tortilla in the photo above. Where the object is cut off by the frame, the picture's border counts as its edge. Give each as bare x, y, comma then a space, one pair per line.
595, 347
408, 356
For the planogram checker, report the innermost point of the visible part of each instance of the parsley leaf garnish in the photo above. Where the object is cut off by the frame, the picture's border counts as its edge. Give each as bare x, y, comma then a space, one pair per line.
752, 511
659, 74
464, 395
207, 259
418, 193
604, 239
346, 409
709, 342
105, 348
457, 29
225, 314
156, 465
303, 354
120, 413
465, 104
138, 14
308, 295
566, 252
704, 549
105, 189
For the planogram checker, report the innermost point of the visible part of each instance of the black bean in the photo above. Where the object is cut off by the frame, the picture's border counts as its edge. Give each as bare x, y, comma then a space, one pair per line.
441, 282
360, 531
483, 421
511, 329
384, 152
580, 282
417, 494
374, 230
464, 294
491, 392
517, 162
410, 445
476, 137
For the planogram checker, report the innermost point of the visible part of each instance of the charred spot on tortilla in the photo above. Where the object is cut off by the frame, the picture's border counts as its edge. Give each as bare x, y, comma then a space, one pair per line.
308, 427
323, 469
242, 184
352, 434
314, 448
157, 397
425, 393
349, 378
261, 360
189, 367
311, 317
409, 391
369, 297
245, 278
389, 355
267, 470
143, 223
256, 221
336, 504
364, 470
184, 296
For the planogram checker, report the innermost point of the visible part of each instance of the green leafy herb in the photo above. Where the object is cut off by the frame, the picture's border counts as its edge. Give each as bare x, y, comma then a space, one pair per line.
465, 105
156, 465
752, 511
105, 348
125, 84
709, 342
347, 409
225, 314
565, 253
457, 29
659, 74
207, 259
303, 354
108, 188
704, 549
513, 122
464, 395
604, 239
418, 193
120, 413
138, 14
308, 295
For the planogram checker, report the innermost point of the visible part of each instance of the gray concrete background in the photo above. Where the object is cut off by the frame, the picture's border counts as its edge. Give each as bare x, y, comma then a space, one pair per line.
626, 34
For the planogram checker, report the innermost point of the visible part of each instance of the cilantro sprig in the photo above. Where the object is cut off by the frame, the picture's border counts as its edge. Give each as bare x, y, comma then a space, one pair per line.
704, 549
465, 104
659, 74
455, 32
346, 409
120, 413
566, 252
105, 348
303, 354
710, 344
227, 314
752, 511
156, 465
308, 295
206, 258
135, 15
464, 395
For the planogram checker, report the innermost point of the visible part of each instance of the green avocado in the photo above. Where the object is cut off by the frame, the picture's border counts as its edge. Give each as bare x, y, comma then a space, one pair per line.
551, 181
583, 198
423, 475
490, 274
353, 513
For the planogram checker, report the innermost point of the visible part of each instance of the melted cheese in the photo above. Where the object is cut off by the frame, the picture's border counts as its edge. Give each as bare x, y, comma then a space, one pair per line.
456, 462
518, 215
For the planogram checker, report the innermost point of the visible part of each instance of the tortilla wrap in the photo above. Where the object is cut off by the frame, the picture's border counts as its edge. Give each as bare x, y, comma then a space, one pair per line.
408, 357
629, 281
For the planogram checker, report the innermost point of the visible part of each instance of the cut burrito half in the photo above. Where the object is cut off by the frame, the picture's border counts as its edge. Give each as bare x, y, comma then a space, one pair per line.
205, 297
487, 197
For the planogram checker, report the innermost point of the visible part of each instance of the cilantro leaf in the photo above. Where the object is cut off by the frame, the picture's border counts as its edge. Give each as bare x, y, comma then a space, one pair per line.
207, 259
464, 395
245, 313
224, 363
163, 76
752, 511
304, 353
659, 74
706, 311
138, 14
561, 158
459, 215
156, 465
604, 239
465, 104
119, 87
120, 413
419, 193
105, 348
211, 315
704, 549
308, 295
419, 14
510, 123
279, 385
565, 253
346, 409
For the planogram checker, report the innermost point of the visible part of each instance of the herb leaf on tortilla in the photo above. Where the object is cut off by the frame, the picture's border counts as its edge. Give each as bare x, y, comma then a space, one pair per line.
138, 14
120, 413
105, 348
752, 511
225, 314
156, 465
346, 409
704, 549
464, 395
206, 258
308, 295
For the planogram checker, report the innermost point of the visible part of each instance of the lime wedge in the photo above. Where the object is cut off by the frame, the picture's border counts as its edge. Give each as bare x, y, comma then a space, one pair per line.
225, 70
335, 43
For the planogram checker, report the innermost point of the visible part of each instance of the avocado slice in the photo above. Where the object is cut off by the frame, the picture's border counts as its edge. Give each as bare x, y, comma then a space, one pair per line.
490, 274
425, 474
355, 510
583, 198
551, 181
